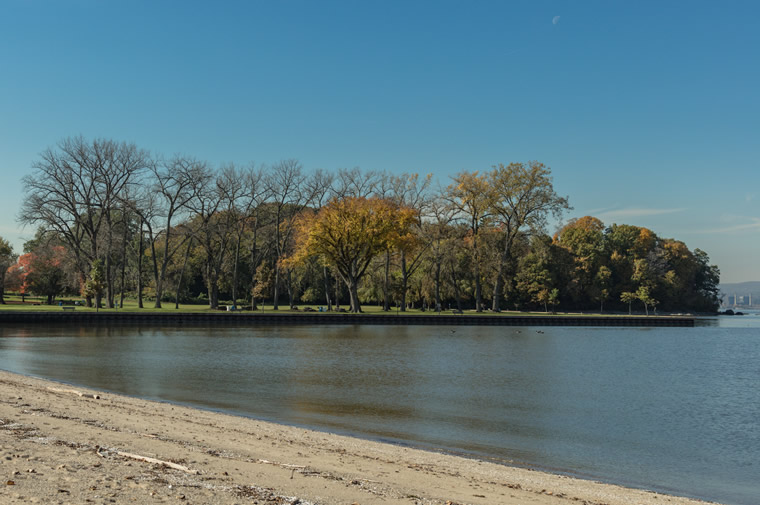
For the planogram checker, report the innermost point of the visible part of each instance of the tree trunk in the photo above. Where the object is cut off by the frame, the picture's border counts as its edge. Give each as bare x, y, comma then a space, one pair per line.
109, 282
123, 264
353, 291
498, 286
2, 285
275, 303
182, 273
159, 278
289, 288
326, 274
254, 266
478, 289
438, 286
387, 283
337, 294
235, 271
139, 269
212, 285
404, 281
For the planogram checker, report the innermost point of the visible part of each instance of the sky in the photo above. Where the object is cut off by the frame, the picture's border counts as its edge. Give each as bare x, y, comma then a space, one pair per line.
647, 112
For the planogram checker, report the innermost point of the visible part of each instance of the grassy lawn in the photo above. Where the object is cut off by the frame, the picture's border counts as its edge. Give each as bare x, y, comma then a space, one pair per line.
33, 303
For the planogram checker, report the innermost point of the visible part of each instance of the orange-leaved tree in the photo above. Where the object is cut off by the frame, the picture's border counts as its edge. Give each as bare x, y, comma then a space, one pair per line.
348, 233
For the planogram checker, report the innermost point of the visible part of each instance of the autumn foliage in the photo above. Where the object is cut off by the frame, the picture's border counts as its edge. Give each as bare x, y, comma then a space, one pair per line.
349, 232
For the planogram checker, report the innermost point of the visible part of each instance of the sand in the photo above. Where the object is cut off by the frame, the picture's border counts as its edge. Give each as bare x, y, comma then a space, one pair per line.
61, 444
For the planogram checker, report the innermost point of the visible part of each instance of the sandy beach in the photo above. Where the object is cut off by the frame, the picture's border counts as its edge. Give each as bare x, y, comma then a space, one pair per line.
65, 444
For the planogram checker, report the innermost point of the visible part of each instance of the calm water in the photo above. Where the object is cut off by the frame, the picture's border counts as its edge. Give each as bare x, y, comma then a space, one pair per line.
671, 409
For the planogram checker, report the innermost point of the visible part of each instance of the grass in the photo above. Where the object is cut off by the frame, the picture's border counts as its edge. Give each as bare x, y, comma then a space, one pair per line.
33, 303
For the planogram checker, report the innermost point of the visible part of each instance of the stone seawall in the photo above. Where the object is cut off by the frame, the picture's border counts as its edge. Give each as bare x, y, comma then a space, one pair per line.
290, 318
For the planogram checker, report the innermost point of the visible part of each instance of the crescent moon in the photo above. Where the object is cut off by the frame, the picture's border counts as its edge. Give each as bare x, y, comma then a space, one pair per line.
555, 20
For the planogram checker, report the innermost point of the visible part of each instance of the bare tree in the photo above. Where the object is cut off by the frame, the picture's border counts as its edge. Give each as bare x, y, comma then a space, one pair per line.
436, 232
257, 193
289, 195
74, 190
116, 167
354, 182
214, 223
175, 182
233, 185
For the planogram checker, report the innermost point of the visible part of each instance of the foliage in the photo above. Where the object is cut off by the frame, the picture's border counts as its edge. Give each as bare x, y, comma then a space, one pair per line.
113, 217
348, 233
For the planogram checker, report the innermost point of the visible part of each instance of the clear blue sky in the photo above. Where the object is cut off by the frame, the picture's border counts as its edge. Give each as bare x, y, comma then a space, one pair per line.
648, 112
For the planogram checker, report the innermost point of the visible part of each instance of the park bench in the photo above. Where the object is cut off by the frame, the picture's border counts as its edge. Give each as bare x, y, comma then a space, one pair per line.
68, 308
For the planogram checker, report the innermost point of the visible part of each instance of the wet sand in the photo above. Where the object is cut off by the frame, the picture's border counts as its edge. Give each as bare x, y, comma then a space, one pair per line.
61, 444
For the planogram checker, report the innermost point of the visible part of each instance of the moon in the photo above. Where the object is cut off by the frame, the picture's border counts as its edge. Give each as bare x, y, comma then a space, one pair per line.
555, 20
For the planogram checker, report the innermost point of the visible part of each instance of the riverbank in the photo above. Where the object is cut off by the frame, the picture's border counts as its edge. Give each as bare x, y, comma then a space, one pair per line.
311, 318
62, 444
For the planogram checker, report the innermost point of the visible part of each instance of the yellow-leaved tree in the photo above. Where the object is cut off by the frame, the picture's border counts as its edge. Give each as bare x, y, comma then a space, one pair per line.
348, 233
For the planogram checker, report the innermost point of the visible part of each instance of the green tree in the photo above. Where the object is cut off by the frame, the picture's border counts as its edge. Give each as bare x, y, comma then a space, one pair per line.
584, 239
643, 295
554, 299
602, 283
523, 197
628, 297
7, 258
96, 283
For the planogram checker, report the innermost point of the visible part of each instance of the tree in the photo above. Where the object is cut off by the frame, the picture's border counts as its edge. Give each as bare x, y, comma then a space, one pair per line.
349, 233
44, 271
254, 200
523, 196
554, 299
643, 294
7, 258
409, 191
707, 281
471, 196
534, 277
96, 283
286, 185
75, 189
175, 183
438, 233
584, 239
602, 284
263, 281
213, 224
628, 297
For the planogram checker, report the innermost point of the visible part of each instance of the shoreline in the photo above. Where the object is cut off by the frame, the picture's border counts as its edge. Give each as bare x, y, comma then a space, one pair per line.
69, 444
310, 318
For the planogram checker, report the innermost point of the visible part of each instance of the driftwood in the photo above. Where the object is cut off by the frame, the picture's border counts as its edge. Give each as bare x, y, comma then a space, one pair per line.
157, 462
74, 392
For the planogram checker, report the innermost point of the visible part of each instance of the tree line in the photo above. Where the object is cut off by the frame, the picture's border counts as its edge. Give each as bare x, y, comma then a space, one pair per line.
114, 221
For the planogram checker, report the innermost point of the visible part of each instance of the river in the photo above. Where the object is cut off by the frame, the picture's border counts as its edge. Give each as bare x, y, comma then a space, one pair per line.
675, 410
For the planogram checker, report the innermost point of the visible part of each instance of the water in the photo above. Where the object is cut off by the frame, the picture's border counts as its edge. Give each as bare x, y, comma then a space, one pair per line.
670, 409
